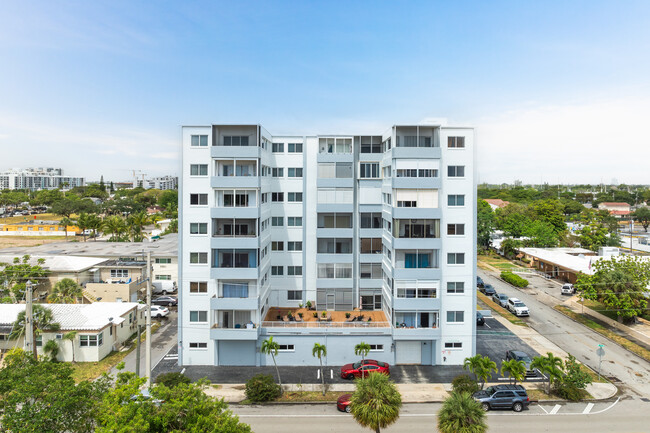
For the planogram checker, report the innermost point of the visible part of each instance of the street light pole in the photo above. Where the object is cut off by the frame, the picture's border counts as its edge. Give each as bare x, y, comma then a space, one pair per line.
29, 319
148, 328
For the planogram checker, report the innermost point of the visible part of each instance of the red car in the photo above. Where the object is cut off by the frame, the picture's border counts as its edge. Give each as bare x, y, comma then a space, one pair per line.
343, 403
365, 367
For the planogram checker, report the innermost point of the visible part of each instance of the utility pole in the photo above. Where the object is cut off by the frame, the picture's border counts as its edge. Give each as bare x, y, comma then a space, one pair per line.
148, 329
137, 351
29, 320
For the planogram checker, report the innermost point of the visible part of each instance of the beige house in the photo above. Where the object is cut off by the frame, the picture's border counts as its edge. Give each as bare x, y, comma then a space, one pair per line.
117, 281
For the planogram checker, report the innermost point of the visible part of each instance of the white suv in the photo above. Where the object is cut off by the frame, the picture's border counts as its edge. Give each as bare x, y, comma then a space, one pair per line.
517, 307
568, 289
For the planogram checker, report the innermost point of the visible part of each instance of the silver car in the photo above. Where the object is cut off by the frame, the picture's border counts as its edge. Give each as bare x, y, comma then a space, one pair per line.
500, 299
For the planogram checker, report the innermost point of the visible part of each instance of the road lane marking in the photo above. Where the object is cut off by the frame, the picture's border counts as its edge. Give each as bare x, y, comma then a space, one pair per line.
556, 408
608, 407
331, 374
588, 408
542, 408
318, 374
487, 325
183, 371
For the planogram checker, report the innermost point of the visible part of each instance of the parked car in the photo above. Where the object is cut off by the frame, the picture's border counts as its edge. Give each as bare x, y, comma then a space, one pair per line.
350, 371
479, 319
163, 287
521, 356
512, 397
517, 307
170, 301
500, 299
157, 311
479, 282
343, 403
488, 289
145, 395
568, 289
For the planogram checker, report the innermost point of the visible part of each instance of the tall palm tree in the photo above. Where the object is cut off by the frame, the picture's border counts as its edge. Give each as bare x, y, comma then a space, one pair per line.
270, 347
72, 335
115, 226
43, 320
362, 349
95, 224
65, 291
460, 413
473, 365
65, 221
551, 366
487, 367
515, 369
320, 350
82, 223
136, 222
376, 402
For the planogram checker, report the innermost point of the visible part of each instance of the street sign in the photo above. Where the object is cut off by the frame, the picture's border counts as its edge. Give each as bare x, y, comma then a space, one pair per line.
600, 352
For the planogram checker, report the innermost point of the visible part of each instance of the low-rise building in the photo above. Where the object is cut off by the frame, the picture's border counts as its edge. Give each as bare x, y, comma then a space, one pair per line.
615, 208
38, 228
496, 203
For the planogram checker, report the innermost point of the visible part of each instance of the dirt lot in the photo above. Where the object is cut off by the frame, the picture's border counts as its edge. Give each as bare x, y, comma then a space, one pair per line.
28, 241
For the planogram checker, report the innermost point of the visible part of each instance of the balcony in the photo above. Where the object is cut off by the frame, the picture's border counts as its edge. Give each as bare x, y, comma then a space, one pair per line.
416, 324
286, 318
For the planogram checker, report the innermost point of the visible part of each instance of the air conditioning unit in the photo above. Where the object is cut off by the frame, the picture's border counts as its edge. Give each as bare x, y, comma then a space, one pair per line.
59, 336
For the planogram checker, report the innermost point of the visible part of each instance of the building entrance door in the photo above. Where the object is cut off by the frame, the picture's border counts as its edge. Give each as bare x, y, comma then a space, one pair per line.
331, 304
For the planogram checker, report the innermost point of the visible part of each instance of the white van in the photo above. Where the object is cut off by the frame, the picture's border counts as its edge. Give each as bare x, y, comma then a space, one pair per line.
163, 287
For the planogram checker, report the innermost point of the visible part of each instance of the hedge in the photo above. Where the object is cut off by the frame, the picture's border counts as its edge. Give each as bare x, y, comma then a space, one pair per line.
513, 279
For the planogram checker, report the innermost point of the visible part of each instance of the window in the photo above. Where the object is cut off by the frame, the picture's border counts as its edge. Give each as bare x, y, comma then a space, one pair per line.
200, 316
370, 270
198, 228
412, 141
286, 348
295, 172
163, 277
277, 196
198, 287
370, 245
295, 196
278, 147
294, 221
416, 228
371, 145
414, 260
235, 140
371, 220
453, 345
199, 140
455, 229
294, 295
277, 270
455, 316
198, 345
334, 221
235, 258
277, 221
198, 170
369, 170
456, 171
265, 197
457, 287
416, 293
39, 340
163, 261
376, 347
335, 195
456, 258
199, 258
294, 270
456, 200
198, 199
277, 246
335, 170
277, 172
294, 246
334, 246
88, 340
295, 147
456, 142
414, 172
335, 145
100, 338
119, 273
334, 270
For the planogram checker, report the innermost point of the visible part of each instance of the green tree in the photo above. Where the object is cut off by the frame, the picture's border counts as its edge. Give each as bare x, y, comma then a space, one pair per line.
642, 216
94, 223
510, 247
481, 366
83, 222
51, 349
575, 376
516, 370
168, 198
540, 234
362, 349
549, 211
14, 276
114, 226
619, 283
270, 347
42, 321
551, 366
319, 350
512, 219
65, 207
460, 413
41, 396
65, 222
66, 291
473, 365
598, 230
484, 224
71, 336
136, 223
376, 403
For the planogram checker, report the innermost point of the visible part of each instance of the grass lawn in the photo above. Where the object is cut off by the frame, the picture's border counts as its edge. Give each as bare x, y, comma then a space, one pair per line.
602, 309
497, 262
627, 344
500, 310
30, 218
307, 396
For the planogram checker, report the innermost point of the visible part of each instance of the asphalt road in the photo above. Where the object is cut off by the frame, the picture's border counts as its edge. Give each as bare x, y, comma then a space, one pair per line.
611, 417
628, 371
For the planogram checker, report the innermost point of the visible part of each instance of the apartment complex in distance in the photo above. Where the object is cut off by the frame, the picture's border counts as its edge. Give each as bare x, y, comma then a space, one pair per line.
377, 232
38, 178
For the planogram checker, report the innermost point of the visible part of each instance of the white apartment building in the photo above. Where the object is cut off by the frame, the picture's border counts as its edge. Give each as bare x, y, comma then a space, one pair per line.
379, 228
38, 178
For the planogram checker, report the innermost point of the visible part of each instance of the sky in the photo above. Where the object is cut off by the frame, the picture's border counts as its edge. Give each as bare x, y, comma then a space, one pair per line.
558, 91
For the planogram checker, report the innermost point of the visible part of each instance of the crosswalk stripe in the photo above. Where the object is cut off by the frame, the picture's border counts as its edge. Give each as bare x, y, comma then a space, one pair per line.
588, 408
555, 409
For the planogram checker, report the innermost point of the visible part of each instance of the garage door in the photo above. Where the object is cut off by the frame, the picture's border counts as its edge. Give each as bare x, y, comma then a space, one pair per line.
236, 352
408, 352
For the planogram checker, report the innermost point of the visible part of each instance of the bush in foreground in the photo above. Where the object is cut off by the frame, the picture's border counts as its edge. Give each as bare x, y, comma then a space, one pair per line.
513, 279
171, 380
262, 388
464, 383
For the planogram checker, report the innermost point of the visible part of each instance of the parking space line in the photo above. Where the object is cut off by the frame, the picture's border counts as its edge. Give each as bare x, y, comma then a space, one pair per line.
318, 374
542, 408
588, 408
487, 325
555, 409
331, 374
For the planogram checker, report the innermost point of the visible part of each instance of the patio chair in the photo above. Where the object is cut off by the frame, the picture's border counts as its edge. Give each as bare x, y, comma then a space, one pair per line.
297, 318
329, 316
238, 326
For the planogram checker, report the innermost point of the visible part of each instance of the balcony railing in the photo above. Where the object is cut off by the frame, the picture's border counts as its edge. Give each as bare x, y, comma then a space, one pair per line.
324, 324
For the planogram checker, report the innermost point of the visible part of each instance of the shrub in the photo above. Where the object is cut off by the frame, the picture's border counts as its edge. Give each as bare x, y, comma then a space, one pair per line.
262, 388
567, 391
171, 380
513, 279
464, 383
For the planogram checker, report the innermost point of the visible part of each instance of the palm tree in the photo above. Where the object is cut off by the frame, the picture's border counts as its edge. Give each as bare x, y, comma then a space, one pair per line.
270, 347
472, 364
136, 223
115, 226
362, 349
82, 223
551, 366
65, 291
94, 223
460, 413
42, 320
51, 348
320, 350
65, 221
72, 335
376, 402
515, 369
481, 366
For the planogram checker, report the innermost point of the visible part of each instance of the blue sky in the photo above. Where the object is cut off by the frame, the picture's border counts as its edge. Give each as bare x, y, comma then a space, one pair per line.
558, 91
